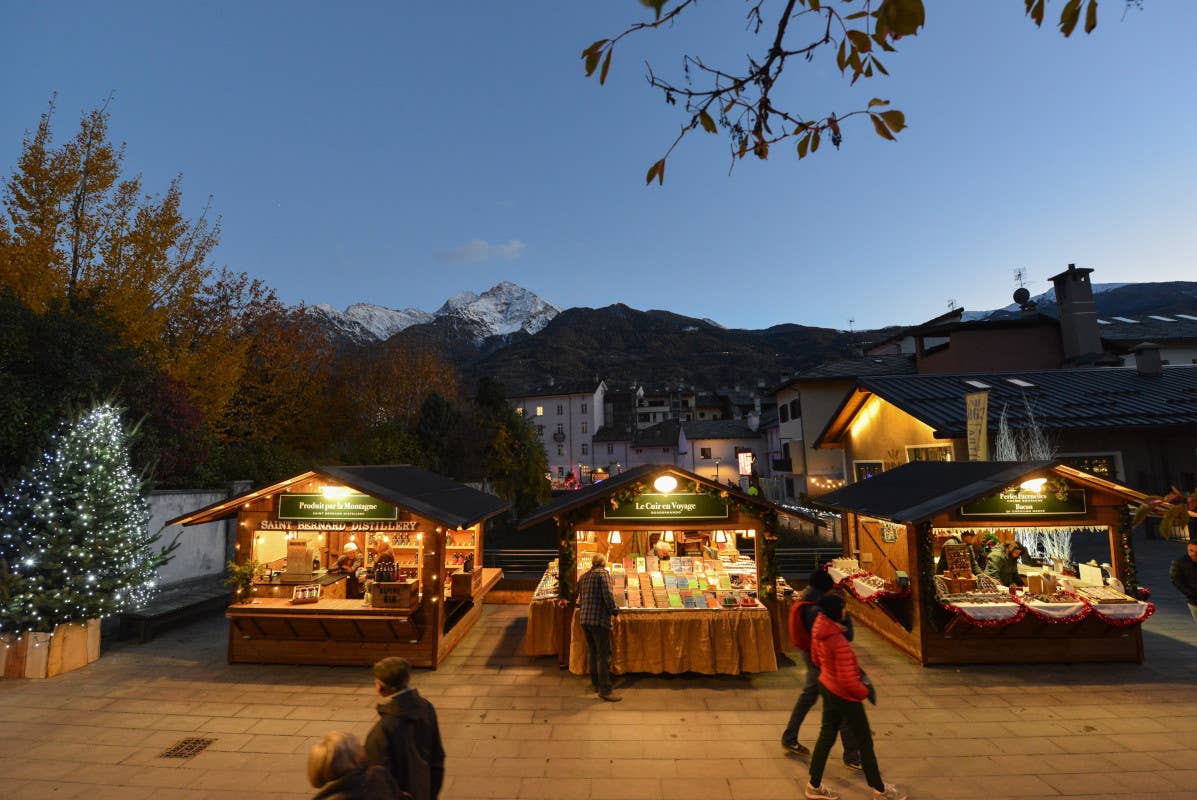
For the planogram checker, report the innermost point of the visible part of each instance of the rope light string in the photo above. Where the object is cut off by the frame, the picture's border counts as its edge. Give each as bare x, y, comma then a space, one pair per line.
75, 530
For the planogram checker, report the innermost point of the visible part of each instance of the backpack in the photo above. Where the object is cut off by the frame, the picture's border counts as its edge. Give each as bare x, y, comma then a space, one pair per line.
799, 635
418, 775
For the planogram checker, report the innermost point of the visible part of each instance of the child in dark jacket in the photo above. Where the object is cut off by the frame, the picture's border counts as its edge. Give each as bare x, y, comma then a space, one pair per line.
843, 690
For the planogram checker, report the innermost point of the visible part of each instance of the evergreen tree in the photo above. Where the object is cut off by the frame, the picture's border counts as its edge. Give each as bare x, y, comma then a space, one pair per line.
74, 538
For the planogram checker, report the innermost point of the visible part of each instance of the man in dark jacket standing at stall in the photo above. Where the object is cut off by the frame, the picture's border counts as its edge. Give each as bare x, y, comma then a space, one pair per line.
597, 611
803, 614
406, 739
1184, 577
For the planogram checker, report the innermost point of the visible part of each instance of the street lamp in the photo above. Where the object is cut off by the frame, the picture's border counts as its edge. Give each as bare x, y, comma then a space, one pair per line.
716, 469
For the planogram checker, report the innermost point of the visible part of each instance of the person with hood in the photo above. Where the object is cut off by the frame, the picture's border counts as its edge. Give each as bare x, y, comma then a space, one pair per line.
337, 768
843, 688
1003, 564
1183, 574
406, 740
803, 614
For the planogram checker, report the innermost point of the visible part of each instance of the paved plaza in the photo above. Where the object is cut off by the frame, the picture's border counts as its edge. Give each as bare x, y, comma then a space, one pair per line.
517, 727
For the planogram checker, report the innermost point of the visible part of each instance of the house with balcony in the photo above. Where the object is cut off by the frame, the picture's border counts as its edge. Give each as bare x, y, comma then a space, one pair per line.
723, 450
565, 418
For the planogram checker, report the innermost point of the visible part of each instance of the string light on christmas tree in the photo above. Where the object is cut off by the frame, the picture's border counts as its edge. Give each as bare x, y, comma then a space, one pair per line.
77, 525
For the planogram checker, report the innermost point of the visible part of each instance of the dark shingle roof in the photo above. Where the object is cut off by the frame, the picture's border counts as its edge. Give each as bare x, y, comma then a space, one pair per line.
557, 390
610, 486
718, 429
1102, 397
423, 492
916, 491
426, 493
1146, 328
856, 367
660, 435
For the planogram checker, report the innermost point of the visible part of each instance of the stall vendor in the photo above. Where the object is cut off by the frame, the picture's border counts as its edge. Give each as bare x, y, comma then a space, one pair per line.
351, 559
384, 561
383, 553
663, 549
966, 537
1003, 564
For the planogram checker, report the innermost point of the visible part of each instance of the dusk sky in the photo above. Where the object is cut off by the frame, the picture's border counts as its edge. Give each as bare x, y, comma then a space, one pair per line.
398, 153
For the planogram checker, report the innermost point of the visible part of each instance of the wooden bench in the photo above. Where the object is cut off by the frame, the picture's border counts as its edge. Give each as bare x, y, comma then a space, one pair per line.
175, 605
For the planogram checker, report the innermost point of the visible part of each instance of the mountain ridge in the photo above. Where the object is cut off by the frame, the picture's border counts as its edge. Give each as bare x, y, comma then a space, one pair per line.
511, 334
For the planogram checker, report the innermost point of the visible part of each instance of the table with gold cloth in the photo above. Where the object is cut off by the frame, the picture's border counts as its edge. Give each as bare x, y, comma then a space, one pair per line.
710, 642
543, 635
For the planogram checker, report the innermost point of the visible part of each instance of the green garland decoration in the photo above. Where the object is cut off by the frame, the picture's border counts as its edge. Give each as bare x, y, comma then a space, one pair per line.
1126, 542
925, 568
567, 560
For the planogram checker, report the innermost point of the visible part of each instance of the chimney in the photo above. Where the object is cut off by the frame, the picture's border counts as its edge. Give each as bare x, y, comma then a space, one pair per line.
754, 421
1078, 313
1147, 360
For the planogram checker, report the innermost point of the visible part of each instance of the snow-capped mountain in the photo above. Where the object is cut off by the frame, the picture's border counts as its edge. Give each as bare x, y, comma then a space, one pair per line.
501, 310
1045, 301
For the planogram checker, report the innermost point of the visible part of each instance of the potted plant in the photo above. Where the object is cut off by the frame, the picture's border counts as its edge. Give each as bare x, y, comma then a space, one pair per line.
241, 578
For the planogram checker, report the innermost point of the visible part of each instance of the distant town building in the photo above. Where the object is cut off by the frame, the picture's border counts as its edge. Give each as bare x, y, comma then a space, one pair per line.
566, 418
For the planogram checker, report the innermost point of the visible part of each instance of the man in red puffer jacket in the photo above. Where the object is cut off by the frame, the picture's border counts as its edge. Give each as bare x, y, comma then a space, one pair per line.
843, 688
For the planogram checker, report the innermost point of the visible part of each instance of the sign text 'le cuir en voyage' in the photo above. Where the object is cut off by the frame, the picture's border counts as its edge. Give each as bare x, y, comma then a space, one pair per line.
317, 506
1016, 503
669, 506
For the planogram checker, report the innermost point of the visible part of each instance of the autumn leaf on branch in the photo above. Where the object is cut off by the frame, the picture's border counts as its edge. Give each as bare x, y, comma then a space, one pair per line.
739, 101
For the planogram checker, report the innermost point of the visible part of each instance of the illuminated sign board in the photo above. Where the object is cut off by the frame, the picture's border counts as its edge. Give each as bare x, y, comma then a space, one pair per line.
679, 506
346, 507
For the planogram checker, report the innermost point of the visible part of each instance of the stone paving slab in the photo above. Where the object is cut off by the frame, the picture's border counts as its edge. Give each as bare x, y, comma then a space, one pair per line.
517, 727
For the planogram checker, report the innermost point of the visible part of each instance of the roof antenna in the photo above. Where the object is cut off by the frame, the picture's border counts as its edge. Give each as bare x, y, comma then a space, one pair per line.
1020, 277
952, 304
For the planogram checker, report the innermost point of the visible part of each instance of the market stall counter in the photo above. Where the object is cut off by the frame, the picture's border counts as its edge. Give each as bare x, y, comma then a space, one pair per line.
346, 565
692, 597
910, 576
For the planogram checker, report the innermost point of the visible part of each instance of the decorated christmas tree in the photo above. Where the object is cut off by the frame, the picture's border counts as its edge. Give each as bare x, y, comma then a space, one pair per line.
74, 538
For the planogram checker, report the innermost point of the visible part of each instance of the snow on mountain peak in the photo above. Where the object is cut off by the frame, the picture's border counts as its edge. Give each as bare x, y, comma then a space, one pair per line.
503, 309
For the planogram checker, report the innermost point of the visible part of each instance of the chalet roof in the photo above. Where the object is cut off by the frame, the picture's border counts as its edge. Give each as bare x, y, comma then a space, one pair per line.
854, 368
1093, 398
558, 390
718, 429
1126, 331
919, 490
646, 472
425, 493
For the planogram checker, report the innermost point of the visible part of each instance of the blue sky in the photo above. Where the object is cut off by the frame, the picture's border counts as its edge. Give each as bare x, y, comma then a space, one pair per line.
400, 152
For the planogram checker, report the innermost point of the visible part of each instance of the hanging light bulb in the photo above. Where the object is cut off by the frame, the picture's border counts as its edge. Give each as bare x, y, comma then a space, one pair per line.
616, 538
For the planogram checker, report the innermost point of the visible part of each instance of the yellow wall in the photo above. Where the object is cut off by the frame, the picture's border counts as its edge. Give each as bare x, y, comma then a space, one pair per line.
881, 432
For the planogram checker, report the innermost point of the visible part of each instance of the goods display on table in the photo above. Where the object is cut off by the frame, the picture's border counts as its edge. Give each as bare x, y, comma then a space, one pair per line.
547, 589
862, 584
684, 582
996, 606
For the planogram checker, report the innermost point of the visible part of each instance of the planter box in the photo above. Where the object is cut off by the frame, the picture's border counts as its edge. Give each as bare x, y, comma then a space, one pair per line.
40, 655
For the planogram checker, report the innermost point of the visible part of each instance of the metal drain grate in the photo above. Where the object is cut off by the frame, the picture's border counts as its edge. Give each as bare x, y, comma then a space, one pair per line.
186, 748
